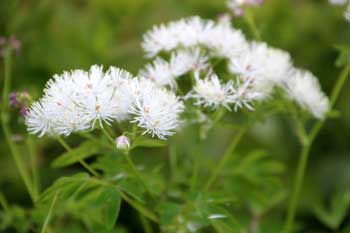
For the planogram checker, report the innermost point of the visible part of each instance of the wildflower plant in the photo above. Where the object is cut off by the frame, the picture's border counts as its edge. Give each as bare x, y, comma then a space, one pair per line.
201, 75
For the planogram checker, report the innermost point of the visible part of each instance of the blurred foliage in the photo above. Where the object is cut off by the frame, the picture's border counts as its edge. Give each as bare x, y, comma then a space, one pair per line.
68, 34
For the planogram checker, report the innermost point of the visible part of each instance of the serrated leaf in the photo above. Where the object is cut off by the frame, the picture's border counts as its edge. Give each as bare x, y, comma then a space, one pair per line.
85, 150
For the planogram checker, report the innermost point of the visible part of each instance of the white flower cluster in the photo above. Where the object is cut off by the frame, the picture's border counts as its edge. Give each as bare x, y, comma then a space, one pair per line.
236, 6
256, 68
219, 38
76, 100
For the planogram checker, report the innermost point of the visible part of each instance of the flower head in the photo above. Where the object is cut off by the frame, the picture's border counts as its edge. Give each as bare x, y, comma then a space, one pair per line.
155, 109
210, 92
164, 73
38, 119
303, 87
265, 67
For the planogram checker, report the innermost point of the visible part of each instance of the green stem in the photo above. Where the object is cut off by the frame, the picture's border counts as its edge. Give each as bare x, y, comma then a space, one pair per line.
225, 158
47, 220
34, 165
136, 172
128, 159
252, 25
305, 152
172, 160
7, 131
147, 213
4, 203
82, 162
195, 166
109, 137
146, 224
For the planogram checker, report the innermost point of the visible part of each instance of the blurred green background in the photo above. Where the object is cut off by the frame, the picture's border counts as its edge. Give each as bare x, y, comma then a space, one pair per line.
68, 34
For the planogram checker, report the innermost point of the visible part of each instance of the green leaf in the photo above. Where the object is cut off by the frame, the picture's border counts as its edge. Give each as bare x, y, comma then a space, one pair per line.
110, 200
67, 186
148, 142
85, 150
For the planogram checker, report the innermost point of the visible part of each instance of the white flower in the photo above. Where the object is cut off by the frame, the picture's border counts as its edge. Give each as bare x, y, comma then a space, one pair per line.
191, 32
164, 73
159, 72
75, 100
224, 41
265, 67
304, 88
184, 61
347, 13
119, 80
246, 94
210, 92
38, 120
155, 109
338, 2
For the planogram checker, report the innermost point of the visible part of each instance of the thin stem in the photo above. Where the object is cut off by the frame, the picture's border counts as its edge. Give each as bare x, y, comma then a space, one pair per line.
82, 162
252, 25
146, 224
34, 164
127, 158
7, 131
172, 160
109, 137
225, 158
305, 152
47, 220
136, 172
3, 202
195, 166
147, 213
297, 187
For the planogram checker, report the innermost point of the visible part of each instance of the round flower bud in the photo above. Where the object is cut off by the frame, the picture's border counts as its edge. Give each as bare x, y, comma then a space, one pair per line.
122, 142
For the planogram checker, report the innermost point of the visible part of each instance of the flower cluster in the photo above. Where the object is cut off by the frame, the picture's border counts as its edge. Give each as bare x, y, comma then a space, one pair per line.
255, 67
76, 100
20, 100
220, 38
236, 6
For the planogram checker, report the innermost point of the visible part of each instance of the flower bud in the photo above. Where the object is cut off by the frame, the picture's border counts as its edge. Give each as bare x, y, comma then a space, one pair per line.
122, 143
24, 111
